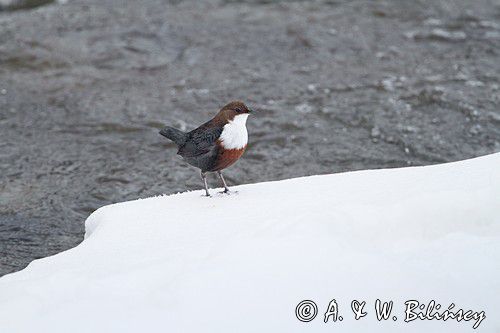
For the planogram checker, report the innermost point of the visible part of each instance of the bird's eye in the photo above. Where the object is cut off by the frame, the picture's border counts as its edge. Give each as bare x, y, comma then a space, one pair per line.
238, 110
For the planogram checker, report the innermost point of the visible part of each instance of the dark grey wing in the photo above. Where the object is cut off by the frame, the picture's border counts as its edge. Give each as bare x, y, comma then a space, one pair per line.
201, 141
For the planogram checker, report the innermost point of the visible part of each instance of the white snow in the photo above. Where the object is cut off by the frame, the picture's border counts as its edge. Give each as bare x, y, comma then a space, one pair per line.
241, 263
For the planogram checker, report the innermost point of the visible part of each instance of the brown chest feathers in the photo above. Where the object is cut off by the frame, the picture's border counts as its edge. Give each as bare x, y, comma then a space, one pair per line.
226, 157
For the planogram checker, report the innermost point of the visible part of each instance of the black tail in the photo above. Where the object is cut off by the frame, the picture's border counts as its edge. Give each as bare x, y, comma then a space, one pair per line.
175, 135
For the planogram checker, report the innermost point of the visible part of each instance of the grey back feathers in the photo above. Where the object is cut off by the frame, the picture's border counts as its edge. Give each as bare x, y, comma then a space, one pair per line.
198, 147
200, 141
175, 135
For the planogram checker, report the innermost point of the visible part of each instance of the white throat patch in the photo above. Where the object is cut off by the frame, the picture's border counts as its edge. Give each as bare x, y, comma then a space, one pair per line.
234, 134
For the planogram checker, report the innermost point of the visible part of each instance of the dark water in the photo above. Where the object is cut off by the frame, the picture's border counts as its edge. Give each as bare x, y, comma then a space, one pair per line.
340, 85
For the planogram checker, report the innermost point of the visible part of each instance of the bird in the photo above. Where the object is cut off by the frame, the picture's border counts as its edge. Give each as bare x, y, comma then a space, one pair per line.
216, 144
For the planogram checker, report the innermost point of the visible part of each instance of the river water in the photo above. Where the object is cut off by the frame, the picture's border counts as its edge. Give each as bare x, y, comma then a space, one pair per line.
338, 85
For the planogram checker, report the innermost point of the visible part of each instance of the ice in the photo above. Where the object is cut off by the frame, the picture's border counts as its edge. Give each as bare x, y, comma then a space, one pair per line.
242, 262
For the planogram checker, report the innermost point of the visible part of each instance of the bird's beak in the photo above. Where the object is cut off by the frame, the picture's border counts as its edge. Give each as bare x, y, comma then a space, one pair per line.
251, 111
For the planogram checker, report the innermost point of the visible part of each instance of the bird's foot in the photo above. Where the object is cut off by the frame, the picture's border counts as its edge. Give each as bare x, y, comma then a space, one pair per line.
228, 192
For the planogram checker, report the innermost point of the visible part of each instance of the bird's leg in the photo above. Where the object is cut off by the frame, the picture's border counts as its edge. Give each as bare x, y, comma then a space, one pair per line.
204, 178
226, 189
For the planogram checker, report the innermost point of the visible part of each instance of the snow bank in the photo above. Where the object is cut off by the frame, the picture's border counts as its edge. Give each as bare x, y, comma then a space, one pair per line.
242, 263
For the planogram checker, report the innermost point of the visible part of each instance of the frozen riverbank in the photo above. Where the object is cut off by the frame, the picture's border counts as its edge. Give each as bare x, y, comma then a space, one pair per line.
241, 263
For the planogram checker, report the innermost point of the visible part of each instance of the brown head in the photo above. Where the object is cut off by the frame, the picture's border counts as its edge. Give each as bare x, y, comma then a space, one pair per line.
231, 110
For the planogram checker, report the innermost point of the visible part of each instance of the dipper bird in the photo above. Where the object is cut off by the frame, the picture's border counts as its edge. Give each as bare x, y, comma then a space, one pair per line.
216, 144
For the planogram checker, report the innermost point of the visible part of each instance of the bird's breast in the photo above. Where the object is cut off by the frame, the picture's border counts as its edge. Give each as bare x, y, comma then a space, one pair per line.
226, 157
234, 134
